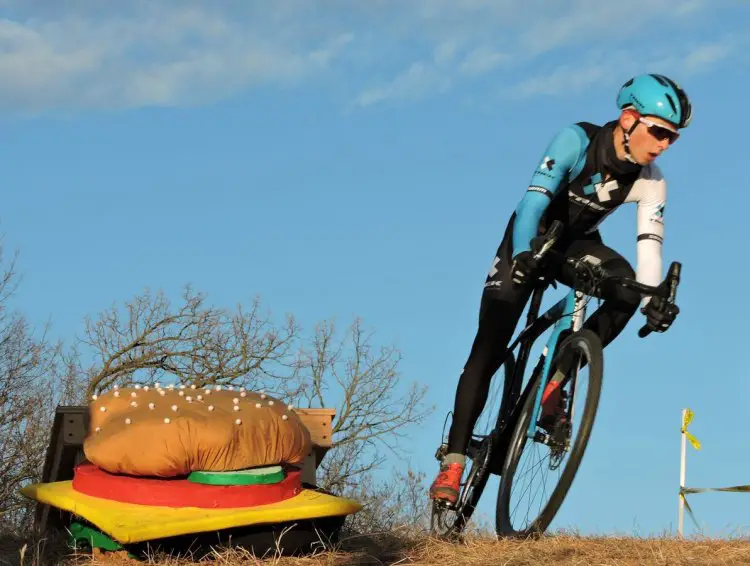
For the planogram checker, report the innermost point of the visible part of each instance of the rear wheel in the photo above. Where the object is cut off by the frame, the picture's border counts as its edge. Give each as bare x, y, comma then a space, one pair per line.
558, 447
449, 521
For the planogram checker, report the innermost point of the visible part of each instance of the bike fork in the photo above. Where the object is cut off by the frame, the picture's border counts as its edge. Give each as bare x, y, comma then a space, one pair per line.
572, 313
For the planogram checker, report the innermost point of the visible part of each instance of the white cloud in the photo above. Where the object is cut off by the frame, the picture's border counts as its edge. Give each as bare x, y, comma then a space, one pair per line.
612, 68
482, 60
445, 52
708, 54
83, 53
414, 83
180, 56
603, 24
598, 42
565, 80
423, 78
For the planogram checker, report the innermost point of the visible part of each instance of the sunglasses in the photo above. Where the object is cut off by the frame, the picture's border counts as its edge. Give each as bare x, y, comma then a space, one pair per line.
659, 131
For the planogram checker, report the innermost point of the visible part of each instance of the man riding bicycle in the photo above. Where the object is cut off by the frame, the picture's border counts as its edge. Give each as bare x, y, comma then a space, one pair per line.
586, 172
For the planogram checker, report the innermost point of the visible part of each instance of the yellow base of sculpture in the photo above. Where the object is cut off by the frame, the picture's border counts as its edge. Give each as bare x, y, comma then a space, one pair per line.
129, 523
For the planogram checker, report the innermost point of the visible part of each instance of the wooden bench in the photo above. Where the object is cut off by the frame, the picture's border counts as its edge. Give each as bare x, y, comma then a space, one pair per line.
320, 424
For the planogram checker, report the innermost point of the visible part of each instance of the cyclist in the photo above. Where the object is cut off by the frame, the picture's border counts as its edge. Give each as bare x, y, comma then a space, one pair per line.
586, 172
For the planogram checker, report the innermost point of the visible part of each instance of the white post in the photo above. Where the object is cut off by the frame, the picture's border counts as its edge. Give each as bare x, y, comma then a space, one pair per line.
682, 476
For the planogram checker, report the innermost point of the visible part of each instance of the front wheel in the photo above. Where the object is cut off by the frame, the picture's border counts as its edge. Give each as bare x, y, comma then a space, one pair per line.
564, 436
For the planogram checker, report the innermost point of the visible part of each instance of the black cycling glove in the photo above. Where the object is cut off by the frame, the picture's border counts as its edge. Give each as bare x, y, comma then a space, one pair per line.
525, 268
660, 314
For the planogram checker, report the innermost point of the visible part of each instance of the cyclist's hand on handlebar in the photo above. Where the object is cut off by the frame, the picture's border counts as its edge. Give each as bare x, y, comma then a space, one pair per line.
525, 268
660, 314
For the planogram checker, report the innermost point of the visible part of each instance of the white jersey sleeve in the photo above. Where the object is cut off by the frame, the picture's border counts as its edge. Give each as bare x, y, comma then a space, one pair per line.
650, 193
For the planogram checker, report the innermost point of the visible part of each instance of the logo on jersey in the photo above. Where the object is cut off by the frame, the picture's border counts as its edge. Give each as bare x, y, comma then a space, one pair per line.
489, 283
658, 214
545, 167
493, 267
602, 189
547, 163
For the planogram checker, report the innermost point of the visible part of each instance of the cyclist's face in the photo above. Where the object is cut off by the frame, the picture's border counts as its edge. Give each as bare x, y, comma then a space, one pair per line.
650, 138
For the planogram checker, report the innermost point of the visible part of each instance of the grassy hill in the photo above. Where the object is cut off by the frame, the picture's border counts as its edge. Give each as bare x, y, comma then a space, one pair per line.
397, 548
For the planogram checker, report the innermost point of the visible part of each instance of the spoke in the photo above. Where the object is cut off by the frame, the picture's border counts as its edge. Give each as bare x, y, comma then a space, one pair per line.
537, 471
537, 468
544, 493
527, 488
541, 471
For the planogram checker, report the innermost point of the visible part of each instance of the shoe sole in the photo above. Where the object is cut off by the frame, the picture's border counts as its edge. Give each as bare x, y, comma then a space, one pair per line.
448, 496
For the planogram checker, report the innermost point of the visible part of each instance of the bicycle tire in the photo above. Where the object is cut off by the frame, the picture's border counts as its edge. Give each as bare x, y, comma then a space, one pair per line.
477, 477
474, 487
582, 340
471, 502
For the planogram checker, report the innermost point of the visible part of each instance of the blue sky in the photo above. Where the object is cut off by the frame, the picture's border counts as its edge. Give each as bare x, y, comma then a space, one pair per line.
340, 159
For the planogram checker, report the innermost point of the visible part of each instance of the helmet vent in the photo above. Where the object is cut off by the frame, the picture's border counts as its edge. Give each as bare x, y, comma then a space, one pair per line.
671, 103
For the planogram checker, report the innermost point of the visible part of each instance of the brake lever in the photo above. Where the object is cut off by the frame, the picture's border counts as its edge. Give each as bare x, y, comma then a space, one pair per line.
550, 238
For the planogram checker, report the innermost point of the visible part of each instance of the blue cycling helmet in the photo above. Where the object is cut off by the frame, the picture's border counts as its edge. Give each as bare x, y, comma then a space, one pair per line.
656, 95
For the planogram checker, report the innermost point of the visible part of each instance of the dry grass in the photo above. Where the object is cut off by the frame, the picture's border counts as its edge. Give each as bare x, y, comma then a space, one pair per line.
573, 550
562, 550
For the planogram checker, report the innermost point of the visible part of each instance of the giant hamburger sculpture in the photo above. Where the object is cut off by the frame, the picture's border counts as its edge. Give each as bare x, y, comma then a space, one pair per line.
177, 460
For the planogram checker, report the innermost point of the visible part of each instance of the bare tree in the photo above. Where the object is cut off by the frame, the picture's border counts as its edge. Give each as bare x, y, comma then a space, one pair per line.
149, 340
398, 503
33, 380
374, 408
152, 340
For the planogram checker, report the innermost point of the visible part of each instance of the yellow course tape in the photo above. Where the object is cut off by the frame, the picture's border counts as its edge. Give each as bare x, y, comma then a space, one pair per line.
130, 523
687, 490
686, 420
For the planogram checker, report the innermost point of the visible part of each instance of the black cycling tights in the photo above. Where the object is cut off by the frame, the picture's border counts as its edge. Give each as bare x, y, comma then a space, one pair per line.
503, 303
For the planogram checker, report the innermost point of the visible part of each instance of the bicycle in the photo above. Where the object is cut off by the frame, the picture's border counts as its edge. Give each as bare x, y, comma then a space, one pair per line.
569, 349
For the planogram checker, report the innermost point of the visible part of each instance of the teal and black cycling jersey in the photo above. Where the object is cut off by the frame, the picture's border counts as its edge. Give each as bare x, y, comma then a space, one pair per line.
569, 185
